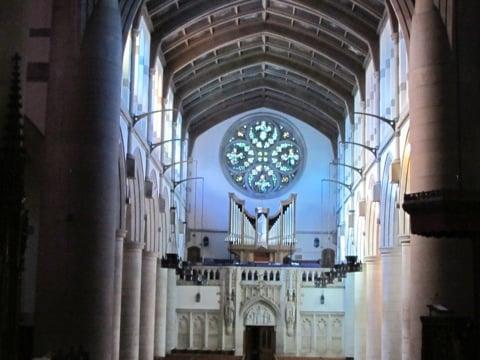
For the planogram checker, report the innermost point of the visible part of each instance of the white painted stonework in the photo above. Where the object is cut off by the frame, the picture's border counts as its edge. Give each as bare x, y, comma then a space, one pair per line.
259, 315
308, 320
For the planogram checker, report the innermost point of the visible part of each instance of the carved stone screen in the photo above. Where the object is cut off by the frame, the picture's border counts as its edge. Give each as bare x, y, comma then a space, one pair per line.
262, 155
259, 315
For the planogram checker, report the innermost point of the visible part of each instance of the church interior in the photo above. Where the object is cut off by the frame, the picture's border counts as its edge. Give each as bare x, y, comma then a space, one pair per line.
239, 179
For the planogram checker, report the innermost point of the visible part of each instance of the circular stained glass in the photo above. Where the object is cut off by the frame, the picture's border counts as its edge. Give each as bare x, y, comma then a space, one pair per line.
262, 155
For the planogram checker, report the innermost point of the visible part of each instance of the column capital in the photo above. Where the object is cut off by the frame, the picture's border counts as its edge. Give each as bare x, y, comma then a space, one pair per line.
135, 31
150, 254
133, 245
395, 37
370, 258
120, 234
404, 240
390, 251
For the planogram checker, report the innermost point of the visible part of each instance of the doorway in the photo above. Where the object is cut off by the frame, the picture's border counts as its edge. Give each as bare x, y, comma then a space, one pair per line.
259, 342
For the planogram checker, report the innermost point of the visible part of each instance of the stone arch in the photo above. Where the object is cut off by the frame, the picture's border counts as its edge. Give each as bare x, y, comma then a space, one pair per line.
165, 220
122, 185
372, 227
152, 216
135, 202
404, 218
260, 313
163, 206
359, 235
388, 209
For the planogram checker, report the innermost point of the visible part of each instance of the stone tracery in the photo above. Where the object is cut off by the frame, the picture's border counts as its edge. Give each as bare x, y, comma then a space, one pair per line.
262, 155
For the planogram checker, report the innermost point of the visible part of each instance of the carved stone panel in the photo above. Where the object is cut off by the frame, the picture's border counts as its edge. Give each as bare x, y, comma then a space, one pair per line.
213, 332
307, 330
322, 335
337, 334
198, 332
183, 332
259, 315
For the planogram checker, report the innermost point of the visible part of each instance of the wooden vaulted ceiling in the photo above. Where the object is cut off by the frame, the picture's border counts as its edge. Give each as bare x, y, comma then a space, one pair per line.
305, 58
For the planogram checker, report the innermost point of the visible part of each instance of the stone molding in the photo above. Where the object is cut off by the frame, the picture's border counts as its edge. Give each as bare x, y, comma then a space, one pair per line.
444, 212
120, 234
371, 258
133, 245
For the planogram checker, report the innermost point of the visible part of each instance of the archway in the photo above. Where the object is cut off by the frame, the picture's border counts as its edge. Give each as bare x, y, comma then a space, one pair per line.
259, 335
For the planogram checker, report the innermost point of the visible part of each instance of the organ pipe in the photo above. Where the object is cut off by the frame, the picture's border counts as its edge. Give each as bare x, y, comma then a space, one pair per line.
280, 228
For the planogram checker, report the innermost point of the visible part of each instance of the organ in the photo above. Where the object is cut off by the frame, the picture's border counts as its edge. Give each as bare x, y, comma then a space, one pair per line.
259, 237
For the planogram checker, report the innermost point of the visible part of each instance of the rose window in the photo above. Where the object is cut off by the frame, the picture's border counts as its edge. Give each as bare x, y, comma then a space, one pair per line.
262, 155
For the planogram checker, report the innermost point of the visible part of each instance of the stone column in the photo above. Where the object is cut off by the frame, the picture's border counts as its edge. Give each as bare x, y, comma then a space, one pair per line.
147, 305
131, 294
374, 307
171, 338
78, 221
349, 321
405, 283
117, 292
160, 311
360, 315
391, 304
441, 268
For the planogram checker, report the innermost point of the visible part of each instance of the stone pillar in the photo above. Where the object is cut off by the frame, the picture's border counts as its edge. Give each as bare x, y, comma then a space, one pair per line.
391, 304
171, 338
441, 268
349, 321
374, 307
360, 315
77, 231
117, 292
405, 283
160, 311
147, 305
131, 294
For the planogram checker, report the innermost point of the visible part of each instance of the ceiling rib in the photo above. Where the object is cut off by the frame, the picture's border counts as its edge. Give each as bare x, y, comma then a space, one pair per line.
225, 56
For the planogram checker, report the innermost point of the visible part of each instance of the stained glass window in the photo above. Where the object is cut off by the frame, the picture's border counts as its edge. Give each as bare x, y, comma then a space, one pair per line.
262, 155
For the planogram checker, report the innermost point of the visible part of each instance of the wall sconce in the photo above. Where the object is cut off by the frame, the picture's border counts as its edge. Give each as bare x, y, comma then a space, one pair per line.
197, 297
206, 241
322, 299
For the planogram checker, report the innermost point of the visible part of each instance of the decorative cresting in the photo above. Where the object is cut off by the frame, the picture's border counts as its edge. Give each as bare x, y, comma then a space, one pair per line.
262, 155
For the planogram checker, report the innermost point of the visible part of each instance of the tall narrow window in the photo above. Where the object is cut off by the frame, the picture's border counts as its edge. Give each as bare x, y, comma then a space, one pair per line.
126, 69
178, 145
157, 102
142, 74
168, 128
